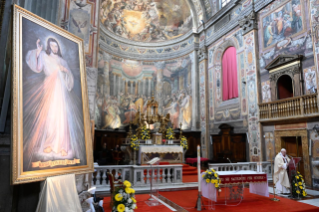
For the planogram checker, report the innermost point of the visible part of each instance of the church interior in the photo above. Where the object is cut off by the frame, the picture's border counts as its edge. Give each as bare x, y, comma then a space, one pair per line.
159, 105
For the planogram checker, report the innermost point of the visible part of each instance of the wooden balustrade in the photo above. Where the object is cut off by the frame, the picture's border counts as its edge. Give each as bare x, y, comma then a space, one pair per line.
300, 106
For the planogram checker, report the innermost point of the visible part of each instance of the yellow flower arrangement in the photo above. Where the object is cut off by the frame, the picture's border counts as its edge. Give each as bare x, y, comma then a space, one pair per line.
133, 199
135, 144
145, 133
210, 176
118, 197
120, 208
127, 184
128, 190
183, 141
298, 186
124, 199
170, 134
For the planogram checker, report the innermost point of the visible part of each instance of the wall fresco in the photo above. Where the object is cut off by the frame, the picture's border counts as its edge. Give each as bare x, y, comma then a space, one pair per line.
265, 89
310, 78
124, 87
146, 21
282, 23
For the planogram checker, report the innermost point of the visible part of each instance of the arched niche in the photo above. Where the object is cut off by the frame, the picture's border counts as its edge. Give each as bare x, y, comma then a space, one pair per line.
285, 87
290, 66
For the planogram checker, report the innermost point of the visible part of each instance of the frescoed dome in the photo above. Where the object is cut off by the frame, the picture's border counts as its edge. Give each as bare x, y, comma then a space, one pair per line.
146, 20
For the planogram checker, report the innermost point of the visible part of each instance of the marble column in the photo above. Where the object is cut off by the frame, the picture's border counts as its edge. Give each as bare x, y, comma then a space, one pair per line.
126, 87
114, 85
149, 87
132, 87
143, 86
194, 81
118, 85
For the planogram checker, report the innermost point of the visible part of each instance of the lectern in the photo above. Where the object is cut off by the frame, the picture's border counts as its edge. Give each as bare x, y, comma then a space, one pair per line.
153, 200
292, 169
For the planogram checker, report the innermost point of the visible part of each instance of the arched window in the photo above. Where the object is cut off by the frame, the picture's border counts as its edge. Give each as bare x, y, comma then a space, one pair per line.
229, 67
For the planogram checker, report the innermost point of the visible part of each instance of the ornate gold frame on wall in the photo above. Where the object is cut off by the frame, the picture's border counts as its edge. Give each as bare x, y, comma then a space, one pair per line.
18, 176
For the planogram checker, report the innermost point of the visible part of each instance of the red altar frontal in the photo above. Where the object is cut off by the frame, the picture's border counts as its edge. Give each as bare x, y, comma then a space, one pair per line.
228, 178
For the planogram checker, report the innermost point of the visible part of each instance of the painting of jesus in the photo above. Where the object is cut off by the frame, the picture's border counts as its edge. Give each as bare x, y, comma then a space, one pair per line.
54, 105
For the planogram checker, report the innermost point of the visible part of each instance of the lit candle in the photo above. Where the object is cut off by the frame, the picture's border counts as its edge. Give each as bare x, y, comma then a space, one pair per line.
198, 168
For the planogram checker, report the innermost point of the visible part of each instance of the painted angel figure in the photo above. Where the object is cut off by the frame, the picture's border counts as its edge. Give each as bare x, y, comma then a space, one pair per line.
53, 114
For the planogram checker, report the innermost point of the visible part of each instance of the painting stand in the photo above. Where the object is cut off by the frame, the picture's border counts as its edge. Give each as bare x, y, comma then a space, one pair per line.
59, 194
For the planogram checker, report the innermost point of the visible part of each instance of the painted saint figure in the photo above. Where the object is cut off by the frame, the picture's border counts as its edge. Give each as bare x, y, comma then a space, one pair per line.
53, 114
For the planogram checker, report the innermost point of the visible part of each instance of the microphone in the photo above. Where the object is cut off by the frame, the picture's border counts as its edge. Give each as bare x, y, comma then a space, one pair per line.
231, 164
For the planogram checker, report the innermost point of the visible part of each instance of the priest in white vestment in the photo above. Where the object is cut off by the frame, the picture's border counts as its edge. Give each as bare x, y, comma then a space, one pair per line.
281, 178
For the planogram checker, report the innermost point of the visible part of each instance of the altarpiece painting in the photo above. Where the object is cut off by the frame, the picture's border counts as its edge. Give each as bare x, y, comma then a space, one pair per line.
50, 117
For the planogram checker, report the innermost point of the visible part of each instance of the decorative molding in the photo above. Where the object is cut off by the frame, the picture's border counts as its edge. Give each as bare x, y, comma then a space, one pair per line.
202, 54
248, 23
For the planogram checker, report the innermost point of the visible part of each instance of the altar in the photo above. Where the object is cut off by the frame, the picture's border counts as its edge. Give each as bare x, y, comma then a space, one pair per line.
258, 184
167, 153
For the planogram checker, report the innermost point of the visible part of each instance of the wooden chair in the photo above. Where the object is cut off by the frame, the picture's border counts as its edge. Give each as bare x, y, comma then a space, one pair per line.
117, 156
113, 184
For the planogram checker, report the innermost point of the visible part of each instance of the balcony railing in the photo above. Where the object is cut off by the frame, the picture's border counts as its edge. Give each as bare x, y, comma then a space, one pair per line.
296, 107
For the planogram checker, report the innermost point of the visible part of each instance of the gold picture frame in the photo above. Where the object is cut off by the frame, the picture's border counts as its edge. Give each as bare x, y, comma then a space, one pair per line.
51, 132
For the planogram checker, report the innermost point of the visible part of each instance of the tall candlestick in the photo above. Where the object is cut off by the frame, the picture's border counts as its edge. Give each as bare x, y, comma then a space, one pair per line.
198, 169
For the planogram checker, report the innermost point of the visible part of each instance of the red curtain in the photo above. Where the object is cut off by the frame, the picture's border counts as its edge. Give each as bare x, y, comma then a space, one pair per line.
230, 82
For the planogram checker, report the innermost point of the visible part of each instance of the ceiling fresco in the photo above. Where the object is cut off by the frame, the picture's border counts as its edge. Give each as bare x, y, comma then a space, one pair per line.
146, 20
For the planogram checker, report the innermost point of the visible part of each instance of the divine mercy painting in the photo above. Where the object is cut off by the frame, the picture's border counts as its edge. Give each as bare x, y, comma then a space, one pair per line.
52, 96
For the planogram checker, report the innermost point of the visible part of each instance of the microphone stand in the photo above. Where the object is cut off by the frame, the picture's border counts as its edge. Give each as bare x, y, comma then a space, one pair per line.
231, 164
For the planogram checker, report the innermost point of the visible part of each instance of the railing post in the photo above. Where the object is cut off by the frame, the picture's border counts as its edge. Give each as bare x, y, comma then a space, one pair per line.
301, 106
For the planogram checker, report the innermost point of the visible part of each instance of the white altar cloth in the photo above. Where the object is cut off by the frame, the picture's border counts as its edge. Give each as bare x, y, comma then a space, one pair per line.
210, 192
161, 149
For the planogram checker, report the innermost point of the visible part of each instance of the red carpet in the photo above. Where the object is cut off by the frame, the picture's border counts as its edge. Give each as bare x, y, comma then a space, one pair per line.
251, 202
